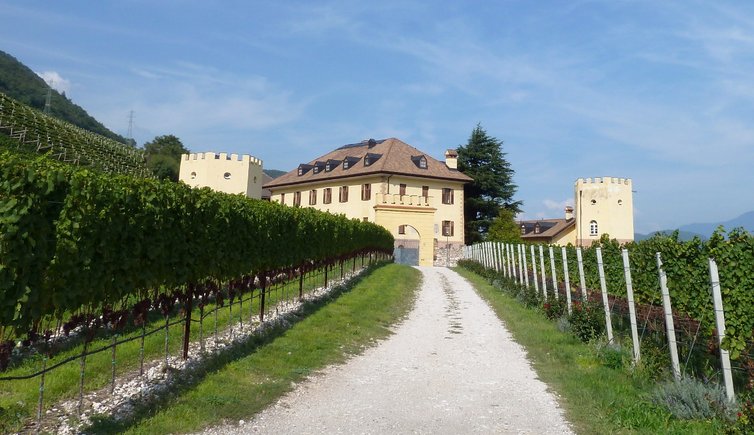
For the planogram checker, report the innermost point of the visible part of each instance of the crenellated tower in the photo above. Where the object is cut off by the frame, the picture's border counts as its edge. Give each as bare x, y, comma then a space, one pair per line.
604, 205
224, 173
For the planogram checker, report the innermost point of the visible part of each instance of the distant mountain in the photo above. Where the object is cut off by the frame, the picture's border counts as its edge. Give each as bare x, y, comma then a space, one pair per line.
682, 235
746, 221
22, 84
705, 230
274, 173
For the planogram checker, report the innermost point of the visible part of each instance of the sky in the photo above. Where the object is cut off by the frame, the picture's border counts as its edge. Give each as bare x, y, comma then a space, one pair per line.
659, 92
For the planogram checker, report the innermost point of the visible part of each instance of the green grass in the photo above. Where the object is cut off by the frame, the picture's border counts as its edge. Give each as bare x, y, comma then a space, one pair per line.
240, 383
597, 399
18, 399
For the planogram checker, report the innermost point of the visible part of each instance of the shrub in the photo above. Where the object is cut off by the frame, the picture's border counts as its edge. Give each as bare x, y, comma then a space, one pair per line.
586, 321
612, 355
692, 399
554, 308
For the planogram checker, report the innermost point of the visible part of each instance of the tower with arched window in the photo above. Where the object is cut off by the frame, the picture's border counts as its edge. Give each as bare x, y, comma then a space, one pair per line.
604, 205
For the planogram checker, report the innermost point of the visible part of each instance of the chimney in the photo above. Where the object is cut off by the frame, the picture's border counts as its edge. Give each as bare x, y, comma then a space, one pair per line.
371, 143
451, 159
568, 212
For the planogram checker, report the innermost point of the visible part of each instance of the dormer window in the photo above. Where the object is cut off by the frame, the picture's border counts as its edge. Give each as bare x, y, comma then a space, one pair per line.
523, 229
331, 164
318, 167
537, 228
350, 161
420, 161
370, 158
303, 169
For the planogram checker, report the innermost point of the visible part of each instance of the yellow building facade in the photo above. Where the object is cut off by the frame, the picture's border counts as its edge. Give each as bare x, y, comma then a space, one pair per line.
229, 173
602, 205
388, 182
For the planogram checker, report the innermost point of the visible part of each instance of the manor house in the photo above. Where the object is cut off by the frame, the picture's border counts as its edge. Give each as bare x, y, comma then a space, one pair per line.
416, 197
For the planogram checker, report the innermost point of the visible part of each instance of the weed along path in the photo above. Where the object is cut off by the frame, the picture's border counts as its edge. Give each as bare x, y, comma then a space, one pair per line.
450, 367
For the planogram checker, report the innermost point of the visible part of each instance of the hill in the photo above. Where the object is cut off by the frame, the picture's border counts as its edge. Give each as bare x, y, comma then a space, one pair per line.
23, 129
682, 235
274, 173
746, 221
705, 230
22, 84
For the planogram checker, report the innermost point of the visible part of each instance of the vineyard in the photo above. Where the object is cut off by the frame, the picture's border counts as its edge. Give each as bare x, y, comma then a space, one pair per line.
31, 130
97, 255
658, 293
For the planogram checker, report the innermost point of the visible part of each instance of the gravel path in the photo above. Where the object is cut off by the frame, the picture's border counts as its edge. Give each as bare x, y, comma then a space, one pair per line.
450, 367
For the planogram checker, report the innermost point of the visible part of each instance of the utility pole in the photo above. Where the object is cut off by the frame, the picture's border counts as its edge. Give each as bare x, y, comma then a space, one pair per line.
48, 99
130, 134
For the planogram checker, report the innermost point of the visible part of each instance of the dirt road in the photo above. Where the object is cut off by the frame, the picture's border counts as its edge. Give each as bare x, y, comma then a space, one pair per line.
450, 367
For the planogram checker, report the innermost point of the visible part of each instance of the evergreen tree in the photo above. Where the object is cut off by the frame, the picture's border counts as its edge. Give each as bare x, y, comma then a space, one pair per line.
483, 160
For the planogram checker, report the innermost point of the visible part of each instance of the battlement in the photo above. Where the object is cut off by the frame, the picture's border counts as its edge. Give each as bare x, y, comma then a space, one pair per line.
245, 158
603, 180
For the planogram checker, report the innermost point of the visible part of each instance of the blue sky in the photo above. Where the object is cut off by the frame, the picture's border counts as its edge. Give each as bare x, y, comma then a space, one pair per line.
661, 92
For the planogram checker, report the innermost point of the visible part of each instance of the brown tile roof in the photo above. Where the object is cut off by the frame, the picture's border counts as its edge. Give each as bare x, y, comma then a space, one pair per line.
548, 228
387, 156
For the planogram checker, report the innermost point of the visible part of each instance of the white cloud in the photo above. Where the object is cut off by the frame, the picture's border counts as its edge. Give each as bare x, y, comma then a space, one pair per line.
557, 205
56, 81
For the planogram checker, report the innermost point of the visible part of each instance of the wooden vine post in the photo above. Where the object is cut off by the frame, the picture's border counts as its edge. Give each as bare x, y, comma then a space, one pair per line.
187, 327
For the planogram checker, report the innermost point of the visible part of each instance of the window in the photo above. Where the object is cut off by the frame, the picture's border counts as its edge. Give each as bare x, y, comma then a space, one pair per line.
594, 201
423, 163
366, 192
365, 219
593, 231
296, 199
402, 189
193, 175
447, 195
346, 163
282, 198
344, 194
537, 228
313, 197
226, 175
447, 228
425, 191
327, 195
620, 202
523, 229
401, 229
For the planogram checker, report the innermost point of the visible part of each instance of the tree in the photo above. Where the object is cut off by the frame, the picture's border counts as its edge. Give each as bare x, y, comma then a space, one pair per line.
163, 155
504, 228
483, 160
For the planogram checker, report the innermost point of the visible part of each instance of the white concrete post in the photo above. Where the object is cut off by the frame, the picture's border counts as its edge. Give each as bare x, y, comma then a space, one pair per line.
717, 301
567, 279
496, 255
534, 270
526, 268
582, 280
669, 325
508, 260
513, 263
554, 274
631, 308
542, 268
605, 300
520, 264
500, 257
